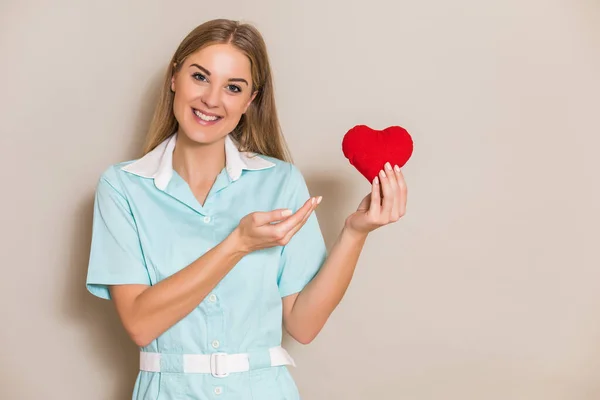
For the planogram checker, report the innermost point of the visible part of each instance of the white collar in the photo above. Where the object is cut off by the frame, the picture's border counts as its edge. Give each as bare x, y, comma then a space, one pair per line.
158, 163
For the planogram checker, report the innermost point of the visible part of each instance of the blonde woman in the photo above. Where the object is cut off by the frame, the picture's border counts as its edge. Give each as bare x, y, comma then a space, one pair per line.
208, 244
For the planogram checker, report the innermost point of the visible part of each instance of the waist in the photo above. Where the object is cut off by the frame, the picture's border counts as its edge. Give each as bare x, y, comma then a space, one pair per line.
218, 364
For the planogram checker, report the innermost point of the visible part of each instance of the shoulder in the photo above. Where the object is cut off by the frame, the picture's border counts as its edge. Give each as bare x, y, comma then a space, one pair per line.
283, 169
286, 179
114, 177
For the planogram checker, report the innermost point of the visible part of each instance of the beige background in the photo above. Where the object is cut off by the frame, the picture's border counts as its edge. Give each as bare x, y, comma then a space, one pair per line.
486, 289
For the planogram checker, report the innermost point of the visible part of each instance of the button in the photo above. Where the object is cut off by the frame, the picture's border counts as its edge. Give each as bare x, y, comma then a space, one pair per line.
212, 298
207, 219
218, 390
216, 344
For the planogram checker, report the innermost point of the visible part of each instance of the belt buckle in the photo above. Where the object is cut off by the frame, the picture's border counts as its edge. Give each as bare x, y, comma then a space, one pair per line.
218, 365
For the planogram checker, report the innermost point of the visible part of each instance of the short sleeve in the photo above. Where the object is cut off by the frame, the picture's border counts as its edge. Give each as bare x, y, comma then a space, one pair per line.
115, 254
306, 252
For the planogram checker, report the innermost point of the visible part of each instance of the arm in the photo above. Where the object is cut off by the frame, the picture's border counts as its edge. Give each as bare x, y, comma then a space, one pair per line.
148, 311
305, 313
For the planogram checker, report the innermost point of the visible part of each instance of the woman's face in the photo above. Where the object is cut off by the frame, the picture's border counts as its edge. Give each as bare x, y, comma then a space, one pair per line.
212, 89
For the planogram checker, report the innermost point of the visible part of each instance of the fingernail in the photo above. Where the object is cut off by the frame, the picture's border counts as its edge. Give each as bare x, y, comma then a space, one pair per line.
319, 199
382, 172
312, 200
286, 213
376, 181
388, 166
397, 168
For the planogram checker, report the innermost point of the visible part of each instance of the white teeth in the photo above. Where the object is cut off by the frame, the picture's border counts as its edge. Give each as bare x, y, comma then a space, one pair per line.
205, 117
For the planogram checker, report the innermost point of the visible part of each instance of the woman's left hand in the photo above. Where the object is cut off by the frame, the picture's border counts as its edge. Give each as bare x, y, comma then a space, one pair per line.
385, 204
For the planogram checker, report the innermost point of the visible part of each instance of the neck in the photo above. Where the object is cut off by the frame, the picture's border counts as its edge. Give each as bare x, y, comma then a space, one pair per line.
198, 163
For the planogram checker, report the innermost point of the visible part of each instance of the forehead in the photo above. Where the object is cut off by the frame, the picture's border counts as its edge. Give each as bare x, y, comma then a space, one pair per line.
222, 60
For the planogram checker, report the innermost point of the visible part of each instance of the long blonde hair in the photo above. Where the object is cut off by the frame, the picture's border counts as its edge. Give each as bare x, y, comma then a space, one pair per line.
259, 130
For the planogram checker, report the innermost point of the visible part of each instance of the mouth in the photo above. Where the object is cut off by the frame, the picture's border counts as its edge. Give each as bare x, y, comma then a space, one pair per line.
206, 118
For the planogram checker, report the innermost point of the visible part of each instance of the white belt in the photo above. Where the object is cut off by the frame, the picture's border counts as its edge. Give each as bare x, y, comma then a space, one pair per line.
217, 364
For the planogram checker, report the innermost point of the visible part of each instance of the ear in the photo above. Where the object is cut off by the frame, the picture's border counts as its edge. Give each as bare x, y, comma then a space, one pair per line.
173, 78
250, 101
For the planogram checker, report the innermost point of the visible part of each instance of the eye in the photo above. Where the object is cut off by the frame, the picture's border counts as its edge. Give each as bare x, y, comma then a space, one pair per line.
235, 88
198, 76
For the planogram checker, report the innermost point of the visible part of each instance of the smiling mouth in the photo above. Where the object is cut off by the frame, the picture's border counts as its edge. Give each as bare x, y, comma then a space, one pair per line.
206, 117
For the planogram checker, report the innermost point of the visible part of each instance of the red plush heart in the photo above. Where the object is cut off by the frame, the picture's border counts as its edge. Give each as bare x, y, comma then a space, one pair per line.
368, 149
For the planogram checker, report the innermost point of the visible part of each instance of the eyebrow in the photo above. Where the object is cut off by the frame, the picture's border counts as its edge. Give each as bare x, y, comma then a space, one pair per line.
207, 72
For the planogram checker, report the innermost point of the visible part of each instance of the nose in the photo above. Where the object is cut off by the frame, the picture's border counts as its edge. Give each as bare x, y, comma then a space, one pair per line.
210, 96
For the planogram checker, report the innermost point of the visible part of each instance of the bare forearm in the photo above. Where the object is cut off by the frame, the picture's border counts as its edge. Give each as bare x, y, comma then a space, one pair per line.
161, 306
321, 296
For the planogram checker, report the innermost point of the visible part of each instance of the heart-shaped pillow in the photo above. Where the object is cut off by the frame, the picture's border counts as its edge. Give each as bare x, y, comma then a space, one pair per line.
368, 149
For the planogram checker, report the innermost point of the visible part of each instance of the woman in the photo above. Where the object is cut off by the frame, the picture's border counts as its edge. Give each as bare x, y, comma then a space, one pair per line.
208, 244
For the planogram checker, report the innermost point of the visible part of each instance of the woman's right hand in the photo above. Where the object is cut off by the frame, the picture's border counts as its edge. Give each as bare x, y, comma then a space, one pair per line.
259, 230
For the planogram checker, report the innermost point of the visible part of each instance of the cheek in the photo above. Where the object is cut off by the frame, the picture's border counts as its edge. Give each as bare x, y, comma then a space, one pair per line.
235, 106
178, 106
184, 96
185, 93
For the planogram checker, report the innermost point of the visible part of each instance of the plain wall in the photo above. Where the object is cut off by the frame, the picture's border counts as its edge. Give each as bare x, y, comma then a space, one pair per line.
486, 289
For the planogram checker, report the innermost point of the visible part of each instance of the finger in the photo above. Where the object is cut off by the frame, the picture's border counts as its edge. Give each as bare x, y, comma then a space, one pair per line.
365, 203
268, 217
293, 220
375, 207
297, 227
388, 199
402, 190
393, 178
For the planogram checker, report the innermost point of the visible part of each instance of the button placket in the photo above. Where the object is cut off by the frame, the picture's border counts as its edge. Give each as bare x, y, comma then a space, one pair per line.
215, 323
